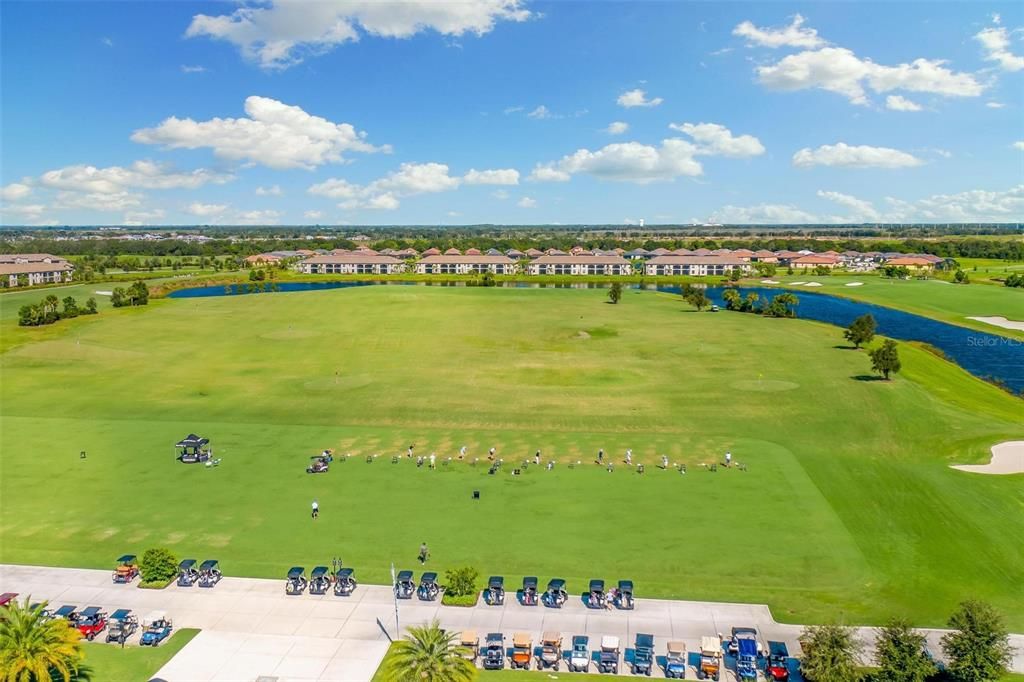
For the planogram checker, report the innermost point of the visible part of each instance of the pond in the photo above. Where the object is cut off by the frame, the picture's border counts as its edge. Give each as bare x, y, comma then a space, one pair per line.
988, 356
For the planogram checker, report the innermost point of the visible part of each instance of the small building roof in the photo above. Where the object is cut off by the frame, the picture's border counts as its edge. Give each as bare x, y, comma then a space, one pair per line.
432, 251
453, 252
566, 259
471, 252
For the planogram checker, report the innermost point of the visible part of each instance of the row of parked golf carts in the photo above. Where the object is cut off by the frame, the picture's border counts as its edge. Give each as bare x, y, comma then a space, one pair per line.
556, 594
119, 626
321, 581
609, 656
206, 575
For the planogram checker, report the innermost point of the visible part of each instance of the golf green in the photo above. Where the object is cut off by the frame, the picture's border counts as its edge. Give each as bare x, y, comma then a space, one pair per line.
847, 508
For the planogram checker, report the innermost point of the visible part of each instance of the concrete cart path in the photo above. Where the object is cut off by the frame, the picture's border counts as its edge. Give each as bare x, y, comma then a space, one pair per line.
251, 628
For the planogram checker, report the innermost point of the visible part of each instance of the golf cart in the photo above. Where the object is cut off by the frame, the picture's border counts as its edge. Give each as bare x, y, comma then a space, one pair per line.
296, 583
643, 655
522, 651
608, 659
193, 449
746, 660
470, 644
530, 591
344, 582
428, 589
675, 661
624, 596
555, 595
319, 580
187, 573
495, 594
776, 668
6, 598
66, 612
122, 626
209, 573
157, 628
597, 598
579, 657
494, 651
91, 622
710, 659
126, 569
44, 613
741, 634
319, 464
404, 587
550, 651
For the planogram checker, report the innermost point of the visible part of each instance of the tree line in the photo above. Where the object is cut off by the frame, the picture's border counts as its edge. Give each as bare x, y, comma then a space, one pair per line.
49, 311
136, 294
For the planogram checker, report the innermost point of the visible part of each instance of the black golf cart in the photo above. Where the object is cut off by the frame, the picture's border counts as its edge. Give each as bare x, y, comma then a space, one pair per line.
428, 589
530, 591
597, 598
404, 587
296, 582
319, 580
493, 654
187, 573
192, 449
624, 596
209, 573
495, 593
643, 655
555, 595
344, 582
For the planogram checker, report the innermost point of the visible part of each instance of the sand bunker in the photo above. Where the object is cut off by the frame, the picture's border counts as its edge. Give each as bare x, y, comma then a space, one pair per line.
813, 284
769, 281
1000, 321
796, 284
854, 284
1007, 458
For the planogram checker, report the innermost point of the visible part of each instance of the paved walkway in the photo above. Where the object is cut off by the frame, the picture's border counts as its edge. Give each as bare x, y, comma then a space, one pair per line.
251, 628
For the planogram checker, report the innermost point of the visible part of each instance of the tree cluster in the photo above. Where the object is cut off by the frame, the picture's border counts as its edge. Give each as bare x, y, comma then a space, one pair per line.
136, 294
158, 565
1015, 281
48, 312
780, 306
461, 582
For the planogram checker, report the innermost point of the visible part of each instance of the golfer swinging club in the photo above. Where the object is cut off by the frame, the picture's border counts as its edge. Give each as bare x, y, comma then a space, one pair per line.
316, 509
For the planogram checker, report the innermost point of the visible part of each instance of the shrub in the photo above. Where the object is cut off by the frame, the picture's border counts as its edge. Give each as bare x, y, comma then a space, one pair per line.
461, 582
465, 600
158, 565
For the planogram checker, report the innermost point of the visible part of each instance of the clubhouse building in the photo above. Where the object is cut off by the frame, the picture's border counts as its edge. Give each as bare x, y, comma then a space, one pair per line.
33, 268
353, 263
583, 264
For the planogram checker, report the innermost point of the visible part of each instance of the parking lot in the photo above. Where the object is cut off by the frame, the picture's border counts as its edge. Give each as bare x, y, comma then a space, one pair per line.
250, 628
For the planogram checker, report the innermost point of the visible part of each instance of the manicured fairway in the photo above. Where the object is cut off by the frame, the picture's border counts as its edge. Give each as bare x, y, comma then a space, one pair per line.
848, 509
111, 663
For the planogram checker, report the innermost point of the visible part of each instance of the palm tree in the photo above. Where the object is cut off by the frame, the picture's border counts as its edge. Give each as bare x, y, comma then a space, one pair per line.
429, 654
34, 648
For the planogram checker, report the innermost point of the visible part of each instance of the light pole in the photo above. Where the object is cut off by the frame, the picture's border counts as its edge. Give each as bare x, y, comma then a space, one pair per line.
395, 595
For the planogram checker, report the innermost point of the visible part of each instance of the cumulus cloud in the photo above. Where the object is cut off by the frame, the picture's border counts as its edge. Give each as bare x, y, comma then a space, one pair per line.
384, 193
547, 173
275, 134
995, 43
969, 206
637, 98
313, 215
540, 113
272, 191
140, 174
716, 140
762, 213
150, 217
15, 191
500, 194
279, 33
839, 70
98, 201
266, 217
626, 162
793, 35
205, 210
500, 176
994, 105
854, 156
901, 103
863, 210
527, 202
617, 128
22, 211
1019, 145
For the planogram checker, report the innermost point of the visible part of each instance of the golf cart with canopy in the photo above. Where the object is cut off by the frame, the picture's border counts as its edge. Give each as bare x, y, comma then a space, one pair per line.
127, 569
624, 596
428, 589
404, 587
710, 665
209, 573
746, 660
319, 580
776, 667
296, 582
494, 651
742, 633
470, 645
555, 595
91, 622
550, 651
6, 598
158, 627
675, 661
522, 651
187, 573
122, 626
193, 449
319, 464
608, 658
495, 594
597, 598
530, 591
66, 612
344, 582
643, 655
579, 657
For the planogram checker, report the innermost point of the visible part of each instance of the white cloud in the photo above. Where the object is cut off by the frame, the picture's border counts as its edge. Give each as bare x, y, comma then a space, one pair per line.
994, 105
637, 98
901, 103
272, 191
547, 173
23, 211
282, 33
717, 140
617, 127
99, 201
513, 110
335, 188
313, 215
384, 193
500, 194
626, 162
15, 191
540, 113
839, 70
500, 176
1019, 145
205, 210
185, 68
995, 42
151, 217
140, 174
970, 206
793, 35
107, 41
275, 134
257, 217
863, 210
762, 213
527, 202
854, 156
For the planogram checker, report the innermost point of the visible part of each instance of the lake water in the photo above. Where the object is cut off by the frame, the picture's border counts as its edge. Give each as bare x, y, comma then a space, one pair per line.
988, 356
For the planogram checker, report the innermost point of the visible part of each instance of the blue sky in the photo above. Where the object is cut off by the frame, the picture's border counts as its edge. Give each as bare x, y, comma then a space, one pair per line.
501, 111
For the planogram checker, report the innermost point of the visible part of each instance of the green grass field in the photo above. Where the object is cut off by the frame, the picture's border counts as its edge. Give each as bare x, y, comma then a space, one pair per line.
848, 510
111, 663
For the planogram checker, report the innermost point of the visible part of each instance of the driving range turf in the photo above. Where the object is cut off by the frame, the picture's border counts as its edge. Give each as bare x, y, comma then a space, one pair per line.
848, 509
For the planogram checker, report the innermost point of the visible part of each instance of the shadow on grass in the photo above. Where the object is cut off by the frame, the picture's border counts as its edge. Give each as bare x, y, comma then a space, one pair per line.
867, 377
844, 347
